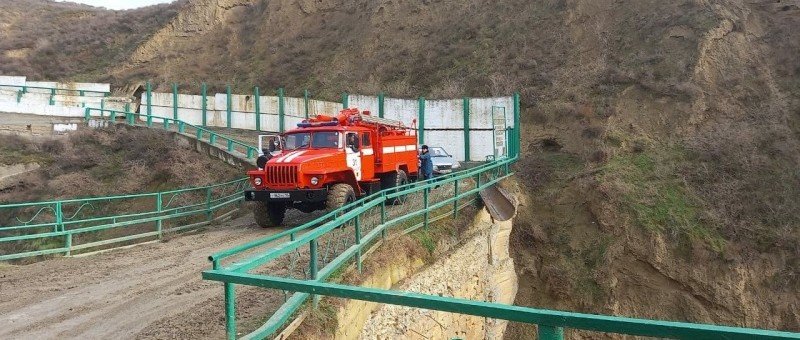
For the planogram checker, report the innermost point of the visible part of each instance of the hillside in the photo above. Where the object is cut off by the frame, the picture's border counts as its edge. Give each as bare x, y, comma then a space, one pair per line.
47, 40
661, 139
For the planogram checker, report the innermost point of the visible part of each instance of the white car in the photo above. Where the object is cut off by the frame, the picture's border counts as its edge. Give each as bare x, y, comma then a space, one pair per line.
443, 162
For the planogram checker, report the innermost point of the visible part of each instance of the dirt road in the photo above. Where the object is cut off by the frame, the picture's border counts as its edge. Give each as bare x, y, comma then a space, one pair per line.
147, 291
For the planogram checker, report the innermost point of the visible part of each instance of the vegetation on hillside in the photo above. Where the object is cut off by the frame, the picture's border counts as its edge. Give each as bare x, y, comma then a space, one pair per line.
46, 40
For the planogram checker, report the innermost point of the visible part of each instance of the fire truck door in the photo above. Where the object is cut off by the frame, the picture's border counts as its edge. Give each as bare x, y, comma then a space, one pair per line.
353, 151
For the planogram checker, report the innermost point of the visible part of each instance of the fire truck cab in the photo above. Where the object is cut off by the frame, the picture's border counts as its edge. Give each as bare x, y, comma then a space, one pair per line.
327, 162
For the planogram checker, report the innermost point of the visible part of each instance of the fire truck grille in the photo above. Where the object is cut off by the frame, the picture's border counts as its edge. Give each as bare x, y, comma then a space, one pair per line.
282, 174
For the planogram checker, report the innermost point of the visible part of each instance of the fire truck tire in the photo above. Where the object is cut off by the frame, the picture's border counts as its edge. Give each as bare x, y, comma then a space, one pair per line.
339, 195
268, 215
395, 180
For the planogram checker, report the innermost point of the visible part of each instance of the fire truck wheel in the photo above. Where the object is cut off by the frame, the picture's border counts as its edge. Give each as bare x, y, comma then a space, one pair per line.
339, 195
400, 178
268, 215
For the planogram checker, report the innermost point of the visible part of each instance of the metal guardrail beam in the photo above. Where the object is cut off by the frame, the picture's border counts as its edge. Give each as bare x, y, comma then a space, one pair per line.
552, 318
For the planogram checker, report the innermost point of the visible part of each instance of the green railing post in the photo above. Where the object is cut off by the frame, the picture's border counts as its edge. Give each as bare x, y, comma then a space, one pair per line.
383, 216
257, 105
68, 244
466, 129
358, 241
425, 201
175, 101
159, 222
230, 311
313, 267
149, 105
455, 201
212, 139
52, 96
281, 110
181, 127
130, 116
228, 104
305, 101
230, 145
128, 107
209, 213
112, 116
203, 104
102, 104
86, 114
19, 94
380, 105
59, 217
345, 100
421, 127
517, 125
550, 333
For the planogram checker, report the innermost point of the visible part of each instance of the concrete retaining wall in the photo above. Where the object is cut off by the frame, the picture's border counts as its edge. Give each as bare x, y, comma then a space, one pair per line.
443, 119
38, 98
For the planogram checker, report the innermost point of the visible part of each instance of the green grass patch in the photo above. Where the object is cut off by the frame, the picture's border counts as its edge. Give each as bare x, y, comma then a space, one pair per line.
656, 196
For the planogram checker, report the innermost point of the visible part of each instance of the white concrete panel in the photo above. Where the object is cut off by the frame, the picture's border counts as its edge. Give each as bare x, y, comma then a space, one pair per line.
480, 111
364, 103
444, 114
452, 141
294, 107
480, 144
317, 107
269, 104
291, 122
243, 120
98, 87
191, 116
404, 110
13, 81
269, 122
8, 96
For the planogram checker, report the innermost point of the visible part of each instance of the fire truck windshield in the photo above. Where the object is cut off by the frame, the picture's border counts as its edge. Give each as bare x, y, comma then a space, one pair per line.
321, 140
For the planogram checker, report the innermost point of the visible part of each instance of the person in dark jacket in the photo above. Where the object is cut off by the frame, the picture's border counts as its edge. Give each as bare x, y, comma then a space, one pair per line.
426, 165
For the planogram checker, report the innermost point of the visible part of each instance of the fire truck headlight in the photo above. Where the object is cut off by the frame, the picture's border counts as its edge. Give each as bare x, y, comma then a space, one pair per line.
314, 180
257, 181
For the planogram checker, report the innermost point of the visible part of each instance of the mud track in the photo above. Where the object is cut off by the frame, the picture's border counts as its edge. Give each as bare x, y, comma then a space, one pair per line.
148, 291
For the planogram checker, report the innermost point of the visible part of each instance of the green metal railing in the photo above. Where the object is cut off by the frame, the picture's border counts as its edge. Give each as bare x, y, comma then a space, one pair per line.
214, 138
317, 249
65, 226
313, 252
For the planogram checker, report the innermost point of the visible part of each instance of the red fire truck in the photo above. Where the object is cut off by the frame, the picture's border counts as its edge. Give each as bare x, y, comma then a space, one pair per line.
327, 162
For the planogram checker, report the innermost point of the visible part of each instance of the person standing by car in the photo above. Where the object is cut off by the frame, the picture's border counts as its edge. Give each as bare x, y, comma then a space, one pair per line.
425, 164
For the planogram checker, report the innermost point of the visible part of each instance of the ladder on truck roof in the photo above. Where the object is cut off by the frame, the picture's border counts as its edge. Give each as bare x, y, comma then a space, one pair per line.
380, 121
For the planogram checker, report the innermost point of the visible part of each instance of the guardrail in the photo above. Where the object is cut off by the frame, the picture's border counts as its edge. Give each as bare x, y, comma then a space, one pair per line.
329, 242
201, 133
65, 226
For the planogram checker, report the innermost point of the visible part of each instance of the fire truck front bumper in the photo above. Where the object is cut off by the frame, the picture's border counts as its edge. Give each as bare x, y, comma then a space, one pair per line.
294, 195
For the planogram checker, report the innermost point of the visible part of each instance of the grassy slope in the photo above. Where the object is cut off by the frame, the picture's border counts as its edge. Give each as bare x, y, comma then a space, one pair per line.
47, 40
